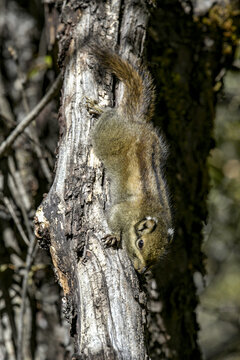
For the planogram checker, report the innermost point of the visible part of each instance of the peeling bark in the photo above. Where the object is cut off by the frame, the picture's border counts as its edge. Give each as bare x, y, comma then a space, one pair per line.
103, 298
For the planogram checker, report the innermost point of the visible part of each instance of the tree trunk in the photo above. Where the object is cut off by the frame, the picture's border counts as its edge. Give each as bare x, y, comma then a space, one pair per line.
185, 49
103, 298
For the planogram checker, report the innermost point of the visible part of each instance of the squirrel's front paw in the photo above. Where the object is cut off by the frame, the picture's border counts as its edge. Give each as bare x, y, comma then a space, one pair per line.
110, 240
92, 107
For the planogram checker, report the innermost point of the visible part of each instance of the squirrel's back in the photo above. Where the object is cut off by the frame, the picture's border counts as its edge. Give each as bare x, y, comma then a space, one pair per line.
132, 154
139, 94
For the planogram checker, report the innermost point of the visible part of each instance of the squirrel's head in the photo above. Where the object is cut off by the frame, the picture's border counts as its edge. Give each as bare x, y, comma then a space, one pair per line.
149, 239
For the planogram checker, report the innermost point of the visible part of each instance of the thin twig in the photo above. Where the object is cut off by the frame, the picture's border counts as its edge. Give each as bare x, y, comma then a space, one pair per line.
15, 219
29, 261
32, 133
31, 116
16, 185
5, 109
20, 194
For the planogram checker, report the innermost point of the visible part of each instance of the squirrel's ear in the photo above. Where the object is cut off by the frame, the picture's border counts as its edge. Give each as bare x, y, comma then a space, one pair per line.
145, 226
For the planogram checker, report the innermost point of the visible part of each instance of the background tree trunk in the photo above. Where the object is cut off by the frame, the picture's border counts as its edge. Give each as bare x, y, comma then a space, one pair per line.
184, 50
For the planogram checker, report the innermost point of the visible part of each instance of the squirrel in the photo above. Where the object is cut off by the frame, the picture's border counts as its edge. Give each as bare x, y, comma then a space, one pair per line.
133, 154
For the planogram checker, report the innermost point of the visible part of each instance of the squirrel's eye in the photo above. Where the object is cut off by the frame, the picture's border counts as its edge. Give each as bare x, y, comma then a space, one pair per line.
140, 243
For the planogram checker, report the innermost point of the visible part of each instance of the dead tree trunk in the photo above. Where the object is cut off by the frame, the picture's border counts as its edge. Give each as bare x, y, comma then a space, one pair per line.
102, 295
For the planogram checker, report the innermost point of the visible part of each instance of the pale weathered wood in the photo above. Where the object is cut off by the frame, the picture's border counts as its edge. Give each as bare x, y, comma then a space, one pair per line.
102, 294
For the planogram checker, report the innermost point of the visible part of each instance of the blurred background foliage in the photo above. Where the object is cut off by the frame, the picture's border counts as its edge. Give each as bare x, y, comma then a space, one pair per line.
26, 173
219, 312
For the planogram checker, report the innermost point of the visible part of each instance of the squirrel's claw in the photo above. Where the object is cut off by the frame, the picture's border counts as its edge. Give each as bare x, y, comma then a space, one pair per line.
110, 240
92, 107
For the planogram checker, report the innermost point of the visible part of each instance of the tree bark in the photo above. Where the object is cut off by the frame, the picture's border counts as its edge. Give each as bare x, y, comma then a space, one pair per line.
102, 295
188, 55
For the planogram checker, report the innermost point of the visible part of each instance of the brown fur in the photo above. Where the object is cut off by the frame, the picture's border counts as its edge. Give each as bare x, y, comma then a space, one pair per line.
139, 96
132, 153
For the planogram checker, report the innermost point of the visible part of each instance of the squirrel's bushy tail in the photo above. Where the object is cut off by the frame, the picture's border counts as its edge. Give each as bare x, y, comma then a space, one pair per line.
139, 95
